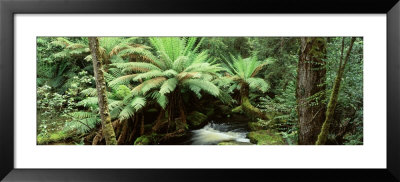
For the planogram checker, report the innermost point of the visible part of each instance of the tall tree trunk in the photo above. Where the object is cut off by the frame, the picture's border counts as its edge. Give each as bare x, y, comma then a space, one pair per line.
246, 104
108, 130
322, 137
311, 73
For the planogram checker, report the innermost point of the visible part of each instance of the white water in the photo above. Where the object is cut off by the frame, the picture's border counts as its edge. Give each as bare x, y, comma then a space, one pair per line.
214, 133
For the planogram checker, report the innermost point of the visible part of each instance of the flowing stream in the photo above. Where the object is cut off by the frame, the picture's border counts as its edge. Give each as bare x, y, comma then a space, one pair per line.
214, 133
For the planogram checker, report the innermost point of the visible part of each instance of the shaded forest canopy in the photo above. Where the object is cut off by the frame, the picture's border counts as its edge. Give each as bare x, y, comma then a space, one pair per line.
200, 90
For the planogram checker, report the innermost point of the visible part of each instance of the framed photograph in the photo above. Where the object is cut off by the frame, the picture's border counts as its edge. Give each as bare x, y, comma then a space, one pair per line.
151, 90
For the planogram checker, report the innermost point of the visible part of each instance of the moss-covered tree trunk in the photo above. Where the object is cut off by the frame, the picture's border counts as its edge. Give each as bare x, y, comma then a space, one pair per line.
311, 73
322, 137
246, 105
108, 130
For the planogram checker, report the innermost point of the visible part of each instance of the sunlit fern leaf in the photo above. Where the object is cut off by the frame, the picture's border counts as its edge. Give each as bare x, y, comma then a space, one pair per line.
168, 62
126, 113
90, 101
170, 73
115, 72
152, 84
108, 77
148, 75
162, 100
91, 92
188, 75
180, 63
203, 67
201, 58
75, 46
137, 66
189, 45
258, 83
138, 103
82, 115
88, 58
141, 53
196, 90
198, 45
82, 122
148, 85
114, 104
62, 42
223, 82
114, 113
261, 66
123, 80
116, 59
168, 86
203, 85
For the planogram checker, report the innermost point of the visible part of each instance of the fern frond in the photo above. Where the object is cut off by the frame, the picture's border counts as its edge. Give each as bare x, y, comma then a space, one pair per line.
138, 103
92, 92
126, 113
136, 66
179, 64
258, 83
148, 85
170, 73
148, 75
168, 86
82, 115
203, 85
90, 101
123, 80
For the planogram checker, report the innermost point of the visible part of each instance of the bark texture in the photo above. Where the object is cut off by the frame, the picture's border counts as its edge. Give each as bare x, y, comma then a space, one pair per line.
322, 137
107, 128
310, 81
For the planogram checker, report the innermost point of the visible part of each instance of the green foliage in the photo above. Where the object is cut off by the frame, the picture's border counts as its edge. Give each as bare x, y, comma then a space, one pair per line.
178, 65
165, 73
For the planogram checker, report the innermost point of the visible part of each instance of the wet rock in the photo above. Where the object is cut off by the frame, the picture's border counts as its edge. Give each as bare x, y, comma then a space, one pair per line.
196, 120
234, 143
266, 137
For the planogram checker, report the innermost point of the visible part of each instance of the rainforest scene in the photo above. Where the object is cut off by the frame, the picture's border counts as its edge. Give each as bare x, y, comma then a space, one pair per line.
199, 90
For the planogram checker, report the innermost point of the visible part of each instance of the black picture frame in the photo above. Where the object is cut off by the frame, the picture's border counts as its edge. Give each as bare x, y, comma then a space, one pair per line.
9, 8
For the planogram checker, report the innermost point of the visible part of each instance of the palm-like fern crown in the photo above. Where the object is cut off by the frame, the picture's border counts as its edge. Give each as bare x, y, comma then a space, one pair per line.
245, 70
177, 65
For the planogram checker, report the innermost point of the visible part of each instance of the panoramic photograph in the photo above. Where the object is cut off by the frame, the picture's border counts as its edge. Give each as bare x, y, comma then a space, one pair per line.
199, 90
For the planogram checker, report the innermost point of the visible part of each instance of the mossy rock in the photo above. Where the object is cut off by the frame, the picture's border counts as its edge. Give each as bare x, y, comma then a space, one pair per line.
196, 120
143, 140
233, 143
53, 138
209, 111
266, 137
255, 126
237, 109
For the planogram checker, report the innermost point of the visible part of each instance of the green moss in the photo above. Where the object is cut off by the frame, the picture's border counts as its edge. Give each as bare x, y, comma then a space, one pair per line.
233, 143
122, 91
252, 111
196, 120
143, 140
266, 137
254, 126
237, 109
52, 138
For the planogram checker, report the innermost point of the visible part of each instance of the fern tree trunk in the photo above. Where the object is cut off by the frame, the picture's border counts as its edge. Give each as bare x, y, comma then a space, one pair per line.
107, 128
310, 81
246, 104
322, 137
